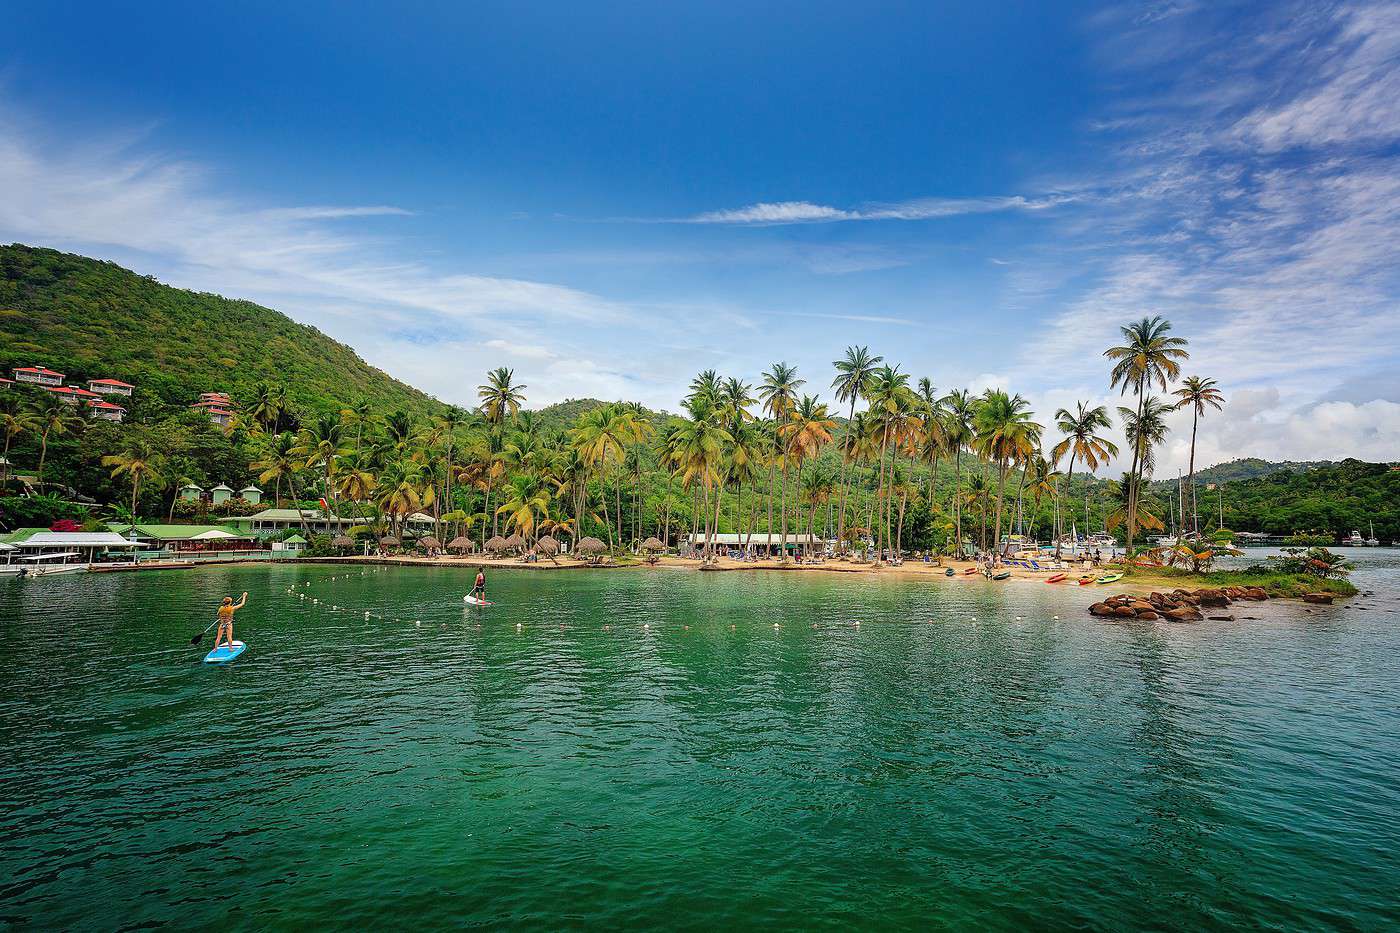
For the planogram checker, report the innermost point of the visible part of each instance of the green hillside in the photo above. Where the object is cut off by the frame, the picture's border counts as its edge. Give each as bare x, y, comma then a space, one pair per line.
92, 319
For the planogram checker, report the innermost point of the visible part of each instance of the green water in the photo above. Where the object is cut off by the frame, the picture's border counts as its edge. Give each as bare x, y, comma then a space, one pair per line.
647, 750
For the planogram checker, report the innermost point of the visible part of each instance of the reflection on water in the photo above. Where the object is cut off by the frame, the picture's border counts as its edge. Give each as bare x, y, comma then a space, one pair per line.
647, 748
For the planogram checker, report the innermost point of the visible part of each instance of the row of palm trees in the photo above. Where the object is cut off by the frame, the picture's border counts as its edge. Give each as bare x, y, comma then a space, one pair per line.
771, 451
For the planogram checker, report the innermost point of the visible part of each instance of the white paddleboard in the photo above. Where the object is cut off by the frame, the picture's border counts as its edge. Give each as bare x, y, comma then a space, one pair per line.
473, 601
224, 653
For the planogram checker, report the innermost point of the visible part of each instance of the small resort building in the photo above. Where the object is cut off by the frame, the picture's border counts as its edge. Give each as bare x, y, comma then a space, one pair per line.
105, 411
110, 387
37, 375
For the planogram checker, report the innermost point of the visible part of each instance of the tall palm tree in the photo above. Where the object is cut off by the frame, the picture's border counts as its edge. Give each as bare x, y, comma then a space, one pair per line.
1083, 442
778, 394
1147, 356
15, 421
500, 398
852, 374
526, 505
1197, 393
141, 463
359, 416
1005, 434
55, 419
701, 441
885, 393
320, 442
809, 430
959, 407
1145, 428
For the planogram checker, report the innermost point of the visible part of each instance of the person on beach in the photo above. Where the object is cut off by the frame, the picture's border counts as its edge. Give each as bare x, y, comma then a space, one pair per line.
479, 589
226, 612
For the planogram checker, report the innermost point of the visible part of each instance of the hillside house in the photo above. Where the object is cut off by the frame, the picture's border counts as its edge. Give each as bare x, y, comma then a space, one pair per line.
110, 387
37, 375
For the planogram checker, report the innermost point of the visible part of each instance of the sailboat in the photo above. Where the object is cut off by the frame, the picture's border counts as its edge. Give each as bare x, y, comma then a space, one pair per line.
1373, 541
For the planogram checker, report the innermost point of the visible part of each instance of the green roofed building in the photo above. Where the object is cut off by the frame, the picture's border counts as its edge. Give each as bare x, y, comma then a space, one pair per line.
189, 538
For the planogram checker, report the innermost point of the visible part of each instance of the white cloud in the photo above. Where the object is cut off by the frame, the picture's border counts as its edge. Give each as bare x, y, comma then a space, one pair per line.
768, 214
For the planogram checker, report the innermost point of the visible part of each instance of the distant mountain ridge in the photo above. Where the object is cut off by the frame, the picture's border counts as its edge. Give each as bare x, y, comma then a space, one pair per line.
93, 319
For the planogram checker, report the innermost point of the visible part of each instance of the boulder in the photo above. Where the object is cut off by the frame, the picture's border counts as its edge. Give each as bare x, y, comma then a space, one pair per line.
1323, 598
1183, 614
1147, 615
1222, 618
1255, 593
1213, 599
1100, 609
1124, 612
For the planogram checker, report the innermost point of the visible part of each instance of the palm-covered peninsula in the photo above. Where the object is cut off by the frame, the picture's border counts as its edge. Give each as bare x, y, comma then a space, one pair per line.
869, 455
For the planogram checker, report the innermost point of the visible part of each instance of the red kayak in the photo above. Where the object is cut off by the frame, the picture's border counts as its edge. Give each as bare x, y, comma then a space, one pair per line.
1056, 578
971, 570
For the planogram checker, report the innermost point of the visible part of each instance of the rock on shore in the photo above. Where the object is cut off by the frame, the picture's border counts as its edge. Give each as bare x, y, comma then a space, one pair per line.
1176, 606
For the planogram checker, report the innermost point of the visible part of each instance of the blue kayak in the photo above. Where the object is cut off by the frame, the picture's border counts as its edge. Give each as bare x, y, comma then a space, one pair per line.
224, 653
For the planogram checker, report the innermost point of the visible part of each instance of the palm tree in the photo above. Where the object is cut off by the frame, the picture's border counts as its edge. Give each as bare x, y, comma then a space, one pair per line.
320, 443
280, 464
500, 396
403, 490
1145, 429
852, 374
959, 407
1148, 356
700, 445
809, 430
1082, 442
1004, 435
15, 420
778, 393
527, 502
1044, 481
885, 393
359, 416
141, 463
1197, 393
55, 419
1128, 507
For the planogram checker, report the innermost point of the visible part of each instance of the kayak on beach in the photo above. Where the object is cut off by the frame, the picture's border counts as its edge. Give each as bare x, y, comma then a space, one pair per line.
1056, 578
1110, 578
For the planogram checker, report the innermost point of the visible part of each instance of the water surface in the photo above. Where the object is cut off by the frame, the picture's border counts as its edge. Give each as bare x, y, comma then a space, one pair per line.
647, 749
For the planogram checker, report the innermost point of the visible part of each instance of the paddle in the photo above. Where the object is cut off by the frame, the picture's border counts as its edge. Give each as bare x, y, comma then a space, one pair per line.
200, 637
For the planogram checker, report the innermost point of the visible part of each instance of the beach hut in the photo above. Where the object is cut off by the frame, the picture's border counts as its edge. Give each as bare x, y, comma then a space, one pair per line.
653, 547
547, 546
496, 545
462, 544
388, 541
343, 542
429, 543
591, 547
515, 543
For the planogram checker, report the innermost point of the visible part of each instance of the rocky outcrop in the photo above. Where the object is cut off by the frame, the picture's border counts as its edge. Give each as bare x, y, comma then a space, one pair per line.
1324, 599
1176, 606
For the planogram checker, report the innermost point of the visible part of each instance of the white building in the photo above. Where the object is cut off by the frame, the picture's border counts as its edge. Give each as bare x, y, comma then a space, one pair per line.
105, 411
110, 387
37, 375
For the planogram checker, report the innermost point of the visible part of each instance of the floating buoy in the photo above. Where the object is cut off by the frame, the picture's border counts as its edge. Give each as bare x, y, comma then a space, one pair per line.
518, 626
366, 615
1055, 617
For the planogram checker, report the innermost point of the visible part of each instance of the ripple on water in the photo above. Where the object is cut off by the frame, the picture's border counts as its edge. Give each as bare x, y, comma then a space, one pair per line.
646, 748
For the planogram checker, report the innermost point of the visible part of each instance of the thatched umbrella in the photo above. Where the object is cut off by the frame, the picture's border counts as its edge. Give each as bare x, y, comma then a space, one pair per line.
591, 545
342, 541
428, 541
496, 545
389, 541
547, 546
461, 543
515, 542
653, 544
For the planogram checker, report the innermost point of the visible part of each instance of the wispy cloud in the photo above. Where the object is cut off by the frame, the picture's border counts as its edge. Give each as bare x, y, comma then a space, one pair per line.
779, 213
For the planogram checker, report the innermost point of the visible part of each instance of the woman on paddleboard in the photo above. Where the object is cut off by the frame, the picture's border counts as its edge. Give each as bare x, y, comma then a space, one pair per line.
479, 589
226, 612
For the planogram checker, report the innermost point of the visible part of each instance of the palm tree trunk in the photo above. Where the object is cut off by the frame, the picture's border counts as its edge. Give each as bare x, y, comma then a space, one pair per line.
719, 497
880, 491
135, 491
1001, 494
957, 500
5, 466
841, 521
43, 452
1069, 480
772, 468
1133, 483
1191, 467
783, 519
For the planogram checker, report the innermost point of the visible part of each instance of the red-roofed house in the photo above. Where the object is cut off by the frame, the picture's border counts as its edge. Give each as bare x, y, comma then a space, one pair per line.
106, 411
71, 394
37, 375
217, 405
110, 386
6, 383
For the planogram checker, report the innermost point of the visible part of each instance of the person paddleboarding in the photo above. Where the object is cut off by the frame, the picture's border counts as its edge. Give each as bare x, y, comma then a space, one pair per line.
479, 589
226, 611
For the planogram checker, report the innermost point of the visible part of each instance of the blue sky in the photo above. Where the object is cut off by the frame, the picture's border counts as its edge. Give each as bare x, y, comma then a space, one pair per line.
611, 199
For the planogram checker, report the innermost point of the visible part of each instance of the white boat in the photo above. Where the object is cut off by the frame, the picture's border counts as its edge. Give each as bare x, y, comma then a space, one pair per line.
1373, 541
35, 565
1355, 540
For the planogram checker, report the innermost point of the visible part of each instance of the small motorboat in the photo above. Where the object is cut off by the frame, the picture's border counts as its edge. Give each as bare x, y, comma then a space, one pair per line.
1056, 578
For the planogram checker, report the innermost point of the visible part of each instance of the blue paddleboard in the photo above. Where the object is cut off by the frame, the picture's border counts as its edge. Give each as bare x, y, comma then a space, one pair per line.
224, 653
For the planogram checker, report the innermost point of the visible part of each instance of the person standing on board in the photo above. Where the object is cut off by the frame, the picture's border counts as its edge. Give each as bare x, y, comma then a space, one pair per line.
226, 612
479, 590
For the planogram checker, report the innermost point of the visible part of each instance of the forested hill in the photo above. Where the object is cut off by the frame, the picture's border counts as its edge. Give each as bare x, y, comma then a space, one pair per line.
1253, 468
93, 319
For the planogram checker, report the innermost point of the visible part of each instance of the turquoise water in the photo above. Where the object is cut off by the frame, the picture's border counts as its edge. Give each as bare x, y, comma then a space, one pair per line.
648, 750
